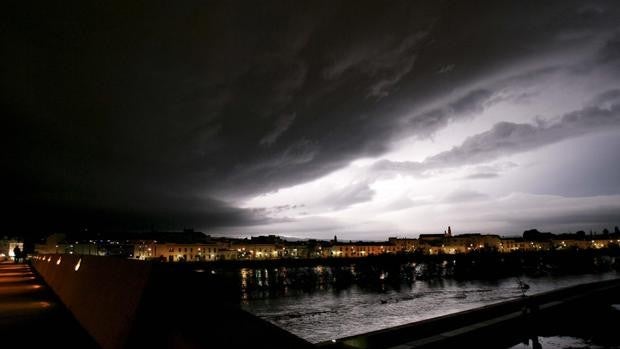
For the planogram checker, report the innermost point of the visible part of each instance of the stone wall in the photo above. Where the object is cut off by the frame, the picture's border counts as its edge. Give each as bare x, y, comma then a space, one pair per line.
103, 293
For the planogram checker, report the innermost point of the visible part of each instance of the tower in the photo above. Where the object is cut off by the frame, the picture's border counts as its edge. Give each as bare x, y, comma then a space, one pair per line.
449, 232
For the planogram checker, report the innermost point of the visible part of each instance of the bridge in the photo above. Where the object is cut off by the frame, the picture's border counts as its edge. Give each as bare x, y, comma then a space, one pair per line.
31, 316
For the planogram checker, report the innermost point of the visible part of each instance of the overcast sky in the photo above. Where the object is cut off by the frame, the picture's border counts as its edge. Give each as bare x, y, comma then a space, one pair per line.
310, 119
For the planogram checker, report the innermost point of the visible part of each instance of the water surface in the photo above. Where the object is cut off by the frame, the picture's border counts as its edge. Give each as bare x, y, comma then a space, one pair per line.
328, 313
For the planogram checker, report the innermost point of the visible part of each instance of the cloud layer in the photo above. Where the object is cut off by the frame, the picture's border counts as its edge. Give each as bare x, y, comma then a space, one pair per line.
177, 114
507, 138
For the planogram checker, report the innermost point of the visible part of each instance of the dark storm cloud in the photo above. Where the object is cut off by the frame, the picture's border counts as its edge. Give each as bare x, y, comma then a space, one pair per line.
283, 123
506, 138
168, 214
349, 195
139, 108
587, 218
433, 120
610, 53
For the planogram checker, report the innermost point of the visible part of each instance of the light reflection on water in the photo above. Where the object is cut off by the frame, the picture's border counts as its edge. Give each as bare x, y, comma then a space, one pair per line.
327, 313
559, 342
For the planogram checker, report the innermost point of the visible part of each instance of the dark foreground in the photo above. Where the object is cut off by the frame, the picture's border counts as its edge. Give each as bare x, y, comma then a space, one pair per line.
31, 316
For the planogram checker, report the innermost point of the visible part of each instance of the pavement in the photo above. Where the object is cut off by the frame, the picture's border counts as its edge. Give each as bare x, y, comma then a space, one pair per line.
31, 315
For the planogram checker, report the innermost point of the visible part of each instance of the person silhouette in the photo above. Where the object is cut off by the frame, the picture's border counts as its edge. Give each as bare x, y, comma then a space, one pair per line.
535, 343
18, 254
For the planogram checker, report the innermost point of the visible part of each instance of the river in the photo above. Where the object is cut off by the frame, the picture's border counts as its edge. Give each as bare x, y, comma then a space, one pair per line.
328, 313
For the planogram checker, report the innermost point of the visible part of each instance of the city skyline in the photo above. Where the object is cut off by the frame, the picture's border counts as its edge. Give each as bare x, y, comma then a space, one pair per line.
305, 120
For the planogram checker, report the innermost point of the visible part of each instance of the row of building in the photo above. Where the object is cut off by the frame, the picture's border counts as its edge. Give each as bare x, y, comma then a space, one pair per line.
195, 246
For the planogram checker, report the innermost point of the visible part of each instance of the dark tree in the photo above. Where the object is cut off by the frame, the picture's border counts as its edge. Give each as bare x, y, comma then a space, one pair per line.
531, 234
605, 232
